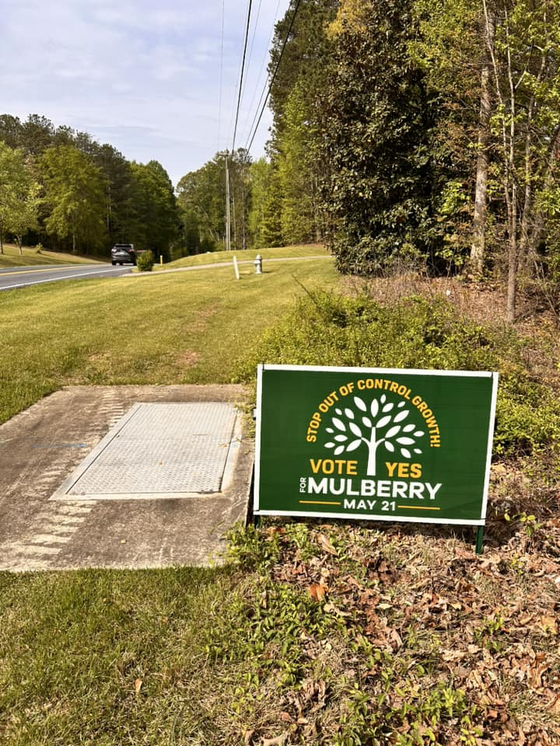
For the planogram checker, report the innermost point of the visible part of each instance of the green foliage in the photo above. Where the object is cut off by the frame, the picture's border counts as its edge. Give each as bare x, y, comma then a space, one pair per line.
297, 167
202, 202
145, 261
305, 54
125, 202
268, 628
123, 219
328, 329
74, 189
296, 105
19, 194
271, 227
378, 139
249, 549
260, 176
157, 216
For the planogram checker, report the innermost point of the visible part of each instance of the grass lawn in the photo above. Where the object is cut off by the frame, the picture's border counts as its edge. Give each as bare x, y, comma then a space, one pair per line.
103, 657
11, 257
177, 328
310, 250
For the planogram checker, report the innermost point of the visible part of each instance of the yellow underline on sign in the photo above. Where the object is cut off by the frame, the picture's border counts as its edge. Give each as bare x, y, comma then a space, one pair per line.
316, 502
416, 507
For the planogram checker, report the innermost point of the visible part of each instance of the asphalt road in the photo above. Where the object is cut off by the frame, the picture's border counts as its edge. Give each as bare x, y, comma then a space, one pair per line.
18, 277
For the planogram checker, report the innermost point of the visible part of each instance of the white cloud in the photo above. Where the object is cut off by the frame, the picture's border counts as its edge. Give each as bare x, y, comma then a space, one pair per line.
145, 78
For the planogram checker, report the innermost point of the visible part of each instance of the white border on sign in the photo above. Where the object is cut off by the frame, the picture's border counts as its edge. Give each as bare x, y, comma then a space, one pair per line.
490, 443
372, 517
257, 482
400, 371
392, 371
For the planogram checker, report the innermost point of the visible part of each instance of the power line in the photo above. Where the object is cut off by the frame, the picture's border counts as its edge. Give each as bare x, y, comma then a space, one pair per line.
228, 216
263, 63
271, 83
242, 71
221, 74
254, 35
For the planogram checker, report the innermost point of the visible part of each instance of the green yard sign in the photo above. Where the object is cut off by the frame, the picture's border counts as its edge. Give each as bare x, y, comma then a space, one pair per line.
384, 445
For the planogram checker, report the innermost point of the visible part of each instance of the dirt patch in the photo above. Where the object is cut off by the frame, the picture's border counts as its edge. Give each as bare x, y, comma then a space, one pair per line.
187, 359
483, 302
201, 319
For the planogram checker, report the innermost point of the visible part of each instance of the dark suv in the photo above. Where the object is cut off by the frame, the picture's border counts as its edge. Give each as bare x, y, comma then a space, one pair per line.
123, 252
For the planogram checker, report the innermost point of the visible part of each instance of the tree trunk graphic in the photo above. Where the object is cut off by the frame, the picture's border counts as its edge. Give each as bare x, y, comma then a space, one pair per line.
372, 445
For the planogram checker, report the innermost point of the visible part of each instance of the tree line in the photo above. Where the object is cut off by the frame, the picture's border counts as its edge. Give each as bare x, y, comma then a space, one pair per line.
405, 131
62, 188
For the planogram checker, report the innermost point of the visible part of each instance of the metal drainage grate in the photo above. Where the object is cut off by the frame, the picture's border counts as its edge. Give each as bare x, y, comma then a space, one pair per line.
160, 450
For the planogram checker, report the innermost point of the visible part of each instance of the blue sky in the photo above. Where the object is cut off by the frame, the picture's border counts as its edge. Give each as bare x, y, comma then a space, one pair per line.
142, 76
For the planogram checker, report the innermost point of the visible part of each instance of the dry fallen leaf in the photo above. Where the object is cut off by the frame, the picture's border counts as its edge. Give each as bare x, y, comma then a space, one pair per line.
138, 685
453, 655
278, 741
326, 544
317, 591
554, 706
548, 624
332, 609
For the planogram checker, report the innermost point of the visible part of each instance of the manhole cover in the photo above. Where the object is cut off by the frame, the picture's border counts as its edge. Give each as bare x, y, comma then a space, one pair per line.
160, 450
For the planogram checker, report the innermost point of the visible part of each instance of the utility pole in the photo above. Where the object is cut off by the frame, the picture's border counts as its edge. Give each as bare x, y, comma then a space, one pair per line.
228, 216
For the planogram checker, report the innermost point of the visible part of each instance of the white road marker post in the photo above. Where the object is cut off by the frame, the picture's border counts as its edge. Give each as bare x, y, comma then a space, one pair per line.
236, 268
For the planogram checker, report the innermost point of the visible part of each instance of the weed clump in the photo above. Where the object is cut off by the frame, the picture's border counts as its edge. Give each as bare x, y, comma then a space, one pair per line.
145, 261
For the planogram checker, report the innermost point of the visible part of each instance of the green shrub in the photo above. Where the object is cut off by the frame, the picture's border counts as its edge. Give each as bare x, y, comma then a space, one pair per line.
145, 261
328, 329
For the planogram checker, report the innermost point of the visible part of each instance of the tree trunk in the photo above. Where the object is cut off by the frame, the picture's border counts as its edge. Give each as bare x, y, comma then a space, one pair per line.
512, 279
511, 182
19, 240
512, 252
74, 250
526, 258
478, 247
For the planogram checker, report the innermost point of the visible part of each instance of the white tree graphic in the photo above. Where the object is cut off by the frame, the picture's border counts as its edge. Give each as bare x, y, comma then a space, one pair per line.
366, 426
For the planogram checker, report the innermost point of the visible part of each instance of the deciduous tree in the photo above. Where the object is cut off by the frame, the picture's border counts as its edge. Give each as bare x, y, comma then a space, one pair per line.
157, 223
19, 194
74, 191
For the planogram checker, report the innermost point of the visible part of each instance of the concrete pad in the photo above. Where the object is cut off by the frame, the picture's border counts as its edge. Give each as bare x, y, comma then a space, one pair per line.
161, 450
40, 449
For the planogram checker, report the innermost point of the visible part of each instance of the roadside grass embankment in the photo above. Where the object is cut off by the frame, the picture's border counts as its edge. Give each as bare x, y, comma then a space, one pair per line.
179, 328
30, 257
307, 251
322, 633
